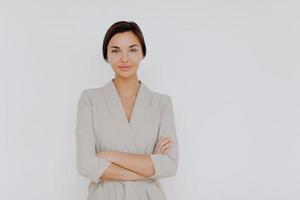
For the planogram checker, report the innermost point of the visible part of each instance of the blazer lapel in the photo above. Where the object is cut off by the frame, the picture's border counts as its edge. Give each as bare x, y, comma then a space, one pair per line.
126, 130
141, 108
118, 116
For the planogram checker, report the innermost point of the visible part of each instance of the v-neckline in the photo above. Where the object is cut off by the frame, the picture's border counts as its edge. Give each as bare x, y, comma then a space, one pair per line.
141, 112
133, 111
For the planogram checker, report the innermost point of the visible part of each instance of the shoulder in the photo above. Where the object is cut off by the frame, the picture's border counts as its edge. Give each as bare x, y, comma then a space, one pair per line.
91, 91
160, 99
157, 98
162, 103
89, 94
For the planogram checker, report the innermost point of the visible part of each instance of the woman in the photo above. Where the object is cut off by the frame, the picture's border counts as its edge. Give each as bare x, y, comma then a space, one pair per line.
126, 137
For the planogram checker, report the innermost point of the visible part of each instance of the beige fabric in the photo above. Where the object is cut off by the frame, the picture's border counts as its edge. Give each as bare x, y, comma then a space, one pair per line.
102, 125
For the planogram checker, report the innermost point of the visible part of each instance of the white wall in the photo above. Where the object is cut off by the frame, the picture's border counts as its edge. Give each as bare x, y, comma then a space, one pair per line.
232, 69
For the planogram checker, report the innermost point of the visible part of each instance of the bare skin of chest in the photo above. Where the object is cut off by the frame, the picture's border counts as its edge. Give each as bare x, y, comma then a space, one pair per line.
128, 104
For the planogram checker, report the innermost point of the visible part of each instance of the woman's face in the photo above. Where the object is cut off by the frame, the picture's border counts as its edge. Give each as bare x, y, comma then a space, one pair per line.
124, 53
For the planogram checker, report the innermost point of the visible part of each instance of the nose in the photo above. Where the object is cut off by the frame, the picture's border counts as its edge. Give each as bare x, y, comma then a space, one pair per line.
124, 57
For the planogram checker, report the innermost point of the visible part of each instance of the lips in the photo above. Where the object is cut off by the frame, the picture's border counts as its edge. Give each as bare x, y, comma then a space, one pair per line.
124, 67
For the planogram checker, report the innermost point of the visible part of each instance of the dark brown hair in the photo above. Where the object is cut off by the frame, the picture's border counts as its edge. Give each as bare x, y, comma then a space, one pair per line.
120, 27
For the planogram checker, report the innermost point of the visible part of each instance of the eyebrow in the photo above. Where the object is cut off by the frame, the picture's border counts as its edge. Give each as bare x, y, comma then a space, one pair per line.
119, 47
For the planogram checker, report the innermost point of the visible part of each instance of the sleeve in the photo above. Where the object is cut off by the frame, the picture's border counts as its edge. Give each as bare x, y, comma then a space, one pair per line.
165, 165
88, 163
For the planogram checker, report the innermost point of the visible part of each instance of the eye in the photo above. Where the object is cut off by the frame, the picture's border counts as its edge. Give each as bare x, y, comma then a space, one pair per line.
115, 51
133, 50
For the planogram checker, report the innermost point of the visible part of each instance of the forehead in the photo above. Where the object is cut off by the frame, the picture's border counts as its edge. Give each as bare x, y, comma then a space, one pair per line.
124, 39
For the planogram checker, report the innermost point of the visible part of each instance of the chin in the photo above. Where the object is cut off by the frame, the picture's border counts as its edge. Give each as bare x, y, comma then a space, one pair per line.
125, 75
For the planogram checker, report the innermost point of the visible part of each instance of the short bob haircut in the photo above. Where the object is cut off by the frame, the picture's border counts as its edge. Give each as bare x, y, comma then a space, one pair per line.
120, 27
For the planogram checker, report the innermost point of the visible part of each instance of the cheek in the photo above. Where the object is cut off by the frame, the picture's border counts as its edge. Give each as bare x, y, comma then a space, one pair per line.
136, 58
111, 58
113, 62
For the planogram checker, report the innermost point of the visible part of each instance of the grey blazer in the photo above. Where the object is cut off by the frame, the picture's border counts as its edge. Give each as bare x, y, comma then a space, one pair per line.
102, 125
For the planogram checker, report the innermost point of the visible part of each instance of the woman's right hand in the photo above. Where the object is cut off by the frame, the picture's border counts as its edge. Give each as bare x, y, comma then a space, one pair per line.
163, 145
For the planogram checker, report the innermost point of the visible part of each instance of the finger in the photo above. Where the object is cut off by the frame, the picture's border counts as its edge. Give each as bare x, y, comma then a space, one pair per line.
164, 148
161, 149
164, 140
156, 148
166, 144
168, 149
169, 146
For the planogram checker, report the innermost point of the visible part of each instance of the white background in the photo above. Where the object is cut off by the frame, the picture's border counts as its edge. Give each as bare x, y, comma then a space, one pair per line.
231, 68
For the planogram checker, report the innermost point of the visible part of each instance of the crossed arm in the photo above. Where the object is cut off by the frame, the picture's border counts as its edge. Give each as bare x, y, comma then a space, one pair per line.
118, 171
123, 166
131, 166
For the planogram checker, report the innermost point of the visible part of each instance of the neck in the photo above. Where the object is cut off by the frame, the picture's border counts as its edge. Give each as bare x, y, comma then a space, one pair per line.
127, 87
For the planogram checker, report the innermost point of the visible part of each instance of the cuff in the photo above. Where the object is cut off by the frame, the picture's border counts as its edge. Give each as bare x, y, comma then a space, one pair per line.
103, 164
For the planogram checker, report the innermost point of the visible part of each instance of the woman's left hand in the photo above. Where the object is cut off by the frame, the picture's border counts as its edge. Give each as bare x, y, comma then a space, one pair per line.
163, 146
